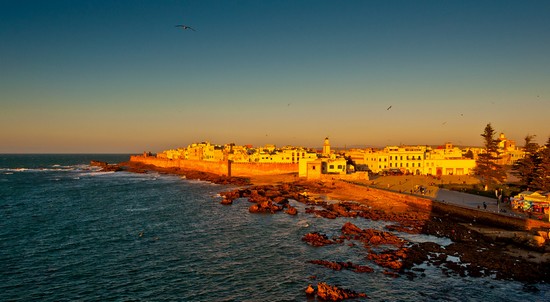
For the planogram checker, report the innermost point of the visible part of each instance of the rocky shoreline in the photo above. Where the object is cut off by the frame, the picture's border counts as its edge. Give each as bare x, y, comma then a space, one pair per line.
136, 167
480, 255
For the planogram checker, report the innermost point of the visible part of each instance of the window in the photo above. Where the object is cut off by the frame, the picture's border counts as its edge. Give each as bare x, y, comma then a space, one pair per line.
390, 165
340, 167
331, 167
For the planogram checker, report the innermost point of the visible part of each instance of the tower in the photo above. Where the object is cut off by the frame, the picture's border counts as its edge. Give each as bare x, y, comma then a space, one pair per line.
326, 147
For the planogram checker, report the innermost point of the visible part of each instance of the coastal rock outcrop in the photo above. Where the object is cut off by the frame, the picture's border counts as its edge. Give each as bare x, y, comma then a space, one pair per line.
337, 266
105, 167
267, 199
317, 239
370, 236
333, 293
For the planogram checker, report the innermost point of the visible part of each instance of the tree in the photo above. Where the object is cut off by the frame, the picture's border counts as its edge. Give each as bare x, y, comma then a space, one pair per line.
526, 167
469, 154
541, 181
487, 168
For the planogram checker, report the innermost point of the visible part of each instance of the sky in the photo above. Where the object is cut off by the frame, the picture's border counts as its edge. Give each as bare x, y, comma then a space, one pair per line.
117, 76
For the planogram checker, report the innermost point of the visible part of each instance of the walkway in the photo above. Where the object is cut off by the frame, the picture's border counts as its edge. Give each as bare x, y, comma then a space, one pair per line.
474, 201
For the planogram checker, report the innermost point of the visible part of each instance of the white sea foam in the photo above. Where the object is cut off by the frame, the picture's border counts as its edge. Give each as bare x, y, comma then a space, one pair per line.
453, 259
99, 173
137, 210
53, 168
303, 223
420, 238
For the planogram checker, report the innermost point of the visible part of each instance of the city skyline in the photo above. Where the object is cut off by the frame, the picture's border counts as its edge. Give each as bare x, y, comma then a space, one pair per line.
120, 77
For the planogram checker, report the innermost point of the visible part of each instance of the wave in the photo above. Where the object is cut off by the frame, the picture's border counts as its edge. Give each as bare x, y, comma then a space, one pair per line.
137, 209
53, 168
201, 182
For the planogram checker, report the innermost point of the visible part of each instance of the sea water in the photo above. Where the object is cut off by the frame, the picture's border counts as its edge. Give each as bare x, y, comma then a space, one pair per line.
70, 232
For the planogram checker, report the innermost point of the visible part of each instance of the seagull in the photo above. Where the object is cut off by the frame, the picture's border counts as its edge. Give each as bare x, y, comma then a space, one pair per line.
389, 107
185, 27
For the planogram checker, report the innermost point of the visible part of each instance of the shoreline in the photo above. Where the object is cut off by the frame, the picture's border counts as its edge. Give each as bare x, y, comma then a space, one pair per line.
485, 249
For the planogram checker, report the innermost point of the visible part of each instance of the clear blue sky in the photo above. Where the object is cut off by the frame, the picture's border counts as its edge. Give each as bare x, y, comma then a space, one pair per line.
118, 76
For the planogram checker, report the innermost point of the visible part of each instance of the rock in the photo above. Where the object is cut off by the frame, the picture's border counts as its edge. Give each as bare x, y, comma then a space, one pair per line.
337, 266
317, 239
97, 163
351, 229
105, 167
543, 234
226, 201
291, 210
369, 236
537, 241
310, 290
254, 208
333, 293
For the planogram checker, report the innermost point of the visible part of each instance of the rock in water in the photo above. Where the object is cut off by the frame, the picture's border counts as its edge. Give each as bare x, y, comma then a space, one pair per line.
333, 293
310, 290
291, 210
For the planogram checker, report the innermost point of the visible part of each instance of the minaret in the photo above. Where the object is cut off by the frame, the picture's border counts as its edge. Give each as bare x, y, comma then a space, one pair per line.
326, 147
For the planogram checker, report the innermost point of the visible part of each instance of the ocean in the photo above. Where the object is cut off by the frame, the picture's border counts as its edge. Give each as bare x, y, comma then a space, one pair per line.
71, 233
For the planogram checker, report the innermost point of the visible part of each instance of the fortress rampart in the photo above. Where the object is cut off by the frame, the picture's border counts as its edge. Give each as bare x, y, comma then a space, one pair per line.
219, 167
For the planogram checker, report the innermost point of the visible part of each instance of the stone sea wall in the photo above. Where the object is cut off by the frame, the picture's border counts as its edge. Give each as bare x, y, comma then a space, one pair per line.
219, 167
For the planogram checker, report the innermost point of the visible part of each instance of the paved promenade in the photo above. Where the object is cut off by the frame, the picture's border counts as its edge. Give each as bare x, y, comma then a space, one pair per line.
404, 184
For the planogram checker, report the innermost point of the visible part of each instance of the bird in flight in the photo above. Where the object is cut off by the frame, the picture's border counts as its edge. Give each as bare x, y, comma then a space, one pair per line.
185, 27
389, 108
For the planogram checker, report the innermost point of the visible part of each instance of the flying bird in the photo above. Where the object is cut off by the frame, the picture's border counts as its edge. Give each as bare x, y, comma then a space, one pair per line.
185, 27
389, 107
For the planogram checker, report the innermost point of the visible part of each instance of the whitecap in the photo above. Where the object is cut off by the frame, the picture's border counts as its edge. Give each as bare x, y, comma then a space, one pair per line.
137, 210
100, 173
303, 223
